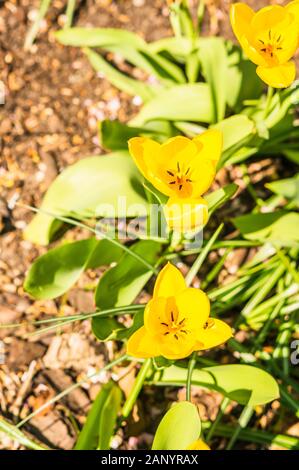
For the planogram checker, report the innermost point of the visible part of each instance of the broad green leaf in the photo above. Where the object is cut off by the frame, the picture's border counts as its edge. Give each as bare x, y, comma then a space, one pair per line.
90, 188
108, 328
179, 427
245, 384
292, 155
180, 103
179, 48
213, 57
98, 429
219, 197
241, 81
131, 46
114, 135
56, 271
98, 37
236, 130
121, 284
288, 188
256, 225
118, 79
279, 227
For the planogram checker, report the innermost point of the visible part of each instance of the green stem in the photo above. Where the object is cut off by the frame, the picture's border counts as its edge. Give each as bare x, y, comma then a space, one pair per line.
269, 97
202, 256
191, 365
14, 433
32, 33
242, 423
69, 13
220, 413
127, 408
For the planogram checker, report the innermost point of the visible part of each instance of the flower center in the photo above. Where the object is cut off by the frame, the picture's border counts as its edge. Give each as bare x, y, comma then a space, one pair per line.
175, 327
271, 45
179, 178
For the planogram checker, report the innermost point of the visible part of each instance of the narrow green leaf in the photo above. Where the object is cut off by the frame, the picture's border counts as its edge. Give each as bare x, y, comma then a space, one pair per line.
101, 419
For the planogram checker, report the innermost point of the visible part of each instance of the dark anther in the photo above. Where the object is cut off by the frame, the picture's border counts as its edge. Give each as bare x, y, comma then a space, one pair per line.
165, 324
182, 321
261, 41
206, 325
279, 48
187, 171
178, 166
167, 333
172, 182
270, 33
180, 187
172, 317
184, 331
188, 180
263, 50
176, 336
170, 173
279, 38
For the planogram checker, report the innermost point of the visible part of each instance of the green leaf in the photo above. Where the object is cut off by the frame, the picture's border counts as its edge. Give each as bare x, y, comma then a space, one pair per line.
118, 79
288, 188
98, 429
256, 225
114, 135
180, 103
278, 227
90, 188
131, 46
213, 57
220, 196
108, 328
245, 384
56, 271
292, 155
121, 284
241, 80
236, 130
179, 427
98, 37
179, 48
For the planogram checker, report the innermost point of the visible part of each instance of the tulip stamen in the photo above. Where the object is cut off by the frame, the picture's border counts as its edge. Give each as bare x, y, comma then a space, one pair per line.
180, 178
271, 46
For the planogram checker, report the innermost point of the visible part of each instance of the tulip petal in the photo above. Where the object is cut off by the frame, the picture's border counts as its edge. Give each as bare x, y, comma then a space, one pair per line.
186, 214
142, 344
198, 445
147, 156
173, 348
170, 282
194, 307
210, 145
214, 335
155, 314
293, 8
240, 17
280, 76
272, 16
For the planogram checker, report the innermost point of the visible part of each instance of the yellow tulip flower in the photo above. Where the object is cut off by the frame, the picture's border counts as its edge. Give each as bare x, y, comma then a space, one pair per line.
198, 445
270, 39
182, 169
176, 321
